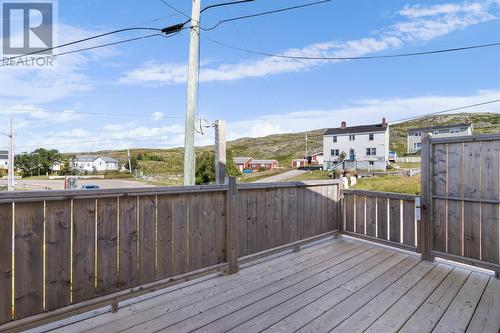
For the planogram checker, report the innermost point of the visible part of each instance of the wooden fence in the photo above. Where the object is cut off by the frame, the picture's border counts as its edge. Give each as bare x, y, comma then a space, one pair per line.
67, 251
387, 218
461, 194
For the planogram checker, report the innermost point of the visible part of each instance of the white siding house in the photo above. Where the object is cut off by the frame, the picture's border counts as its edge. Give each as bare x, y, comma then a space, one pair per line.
414, 141
92, 163
364, 147
4, 159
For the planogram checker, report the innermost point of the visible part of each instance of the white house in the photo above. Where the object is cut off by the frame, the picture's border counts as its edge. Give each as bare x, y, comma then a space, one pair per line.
365, 147
92, 163
4, 159
414, 140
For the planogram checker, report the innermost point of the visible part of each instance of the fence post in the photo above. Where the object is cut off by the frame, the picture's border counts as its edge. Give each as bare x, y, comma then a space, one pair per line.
425, 237
232, 227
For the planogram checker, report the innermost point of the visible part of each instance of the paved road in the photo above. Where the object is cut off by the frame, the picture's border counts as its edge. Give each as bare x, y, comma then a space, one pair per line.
59, 184
282, 177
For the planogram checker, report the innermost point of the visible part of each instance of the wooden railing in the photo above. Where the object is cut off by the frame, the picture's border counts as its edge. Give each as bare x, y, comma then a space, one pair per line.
387, 218
66, 252
461, 197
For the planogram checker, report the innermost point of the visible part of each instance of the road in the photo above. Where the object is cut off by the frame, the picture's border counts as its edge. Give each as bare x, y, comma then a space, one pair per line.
282, 176
43, 184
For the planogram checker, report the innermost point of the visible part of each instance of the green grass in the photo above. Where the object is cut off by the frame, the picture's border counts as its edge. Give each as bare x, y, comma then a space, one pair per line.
311, 175
409, 165
253, 177
407, 185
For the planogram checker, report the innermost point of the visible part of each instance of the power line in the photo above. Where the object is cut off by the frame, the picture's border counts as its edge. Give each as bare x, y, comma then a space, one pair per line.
225, 4
265, 13
448, 110
71, 112
457, 49
175, 9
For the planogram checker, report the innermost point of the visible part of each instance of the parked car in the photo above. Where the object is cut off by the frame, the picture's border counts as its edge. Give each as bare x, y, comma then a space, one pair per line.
392, 156
90, 187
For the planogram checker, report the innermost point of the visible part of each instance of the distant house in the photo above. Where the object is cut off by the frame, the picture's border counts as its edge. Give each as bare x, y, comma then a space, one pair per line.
318, 158
95, 163
300, 162
264, 164
4, 159
365, 147
243, 162
414, 141
57, 167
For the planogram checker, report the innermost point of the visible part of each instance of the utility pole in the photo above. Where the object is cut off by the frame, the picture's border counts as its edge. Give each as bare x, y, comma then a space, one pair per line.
307, 148
11, 157
129, 162
220, 152
192, 95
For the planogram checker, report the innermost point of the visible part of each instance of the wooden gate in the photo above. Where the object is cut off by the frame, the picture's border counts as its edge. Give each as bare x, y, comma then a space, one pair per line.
461, 199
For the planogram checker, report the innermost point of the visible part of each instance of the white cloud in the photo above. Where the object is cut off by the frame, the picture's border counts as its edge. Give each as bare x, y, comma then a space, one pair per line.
157, 116
38, 85
422, 24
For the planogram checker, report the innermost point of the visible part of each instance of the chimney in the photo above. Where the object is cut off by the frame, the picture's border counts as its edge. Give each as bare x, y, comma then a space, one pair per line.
343, 124
384, 122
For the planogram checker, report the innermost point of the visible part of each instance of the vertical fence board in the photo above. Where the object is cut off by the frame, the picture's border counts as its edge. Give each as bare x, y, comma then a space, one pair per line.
58, 254
395, 220
277, 219
180, 234
128, 275
242, 223
300, 213
251, 218
439, 178
490, 157
6, 263
195, 238
270, 202
332, 223
290, 218
472, 210
360, 214
261, 219
324, 208
165, 237
28, 259
409, 222
455, 189
147, 228
107, 236
349, 212
83, 250
220, 226
207, 226
371, 216
382, 218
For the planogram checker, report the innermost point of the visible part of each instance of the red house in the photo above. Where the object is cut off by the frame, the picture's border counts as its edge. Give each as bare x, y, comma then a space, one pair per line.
264, 164
243, 162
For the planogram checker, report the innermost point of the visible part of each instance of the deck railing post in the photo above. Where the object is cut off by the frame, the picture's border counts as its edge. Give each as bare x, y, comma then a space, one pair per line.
232, 227
425, 242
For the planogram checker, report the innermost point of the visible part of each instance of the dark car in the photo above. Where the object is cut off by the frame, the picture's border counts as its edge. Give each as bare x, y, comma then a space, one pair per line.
90, 187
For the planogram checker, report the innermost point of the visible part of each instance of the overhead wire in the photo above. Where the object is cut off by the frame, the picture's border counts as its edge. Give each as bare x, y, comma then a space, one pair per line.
71, 112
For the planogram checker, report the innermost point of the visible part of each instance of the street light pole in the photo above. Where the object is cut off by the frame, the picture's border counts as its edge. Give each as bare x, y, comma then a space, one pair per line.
11, 157
192, 95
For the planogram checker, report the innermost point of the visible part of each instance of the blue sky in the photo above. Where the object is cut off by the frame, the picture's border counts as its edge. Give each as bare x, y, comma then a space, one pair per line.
144, 81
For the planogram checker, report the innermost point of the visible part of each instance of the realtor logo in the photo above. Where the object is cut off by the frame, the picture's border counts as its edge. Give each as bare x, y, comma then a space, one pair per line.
28, 27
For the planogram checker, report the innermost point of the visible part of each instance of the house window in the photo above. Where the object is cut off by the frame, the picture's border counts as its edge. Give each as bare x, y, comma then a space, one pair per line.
371, 151
335, 152
418, 133
371, 136
455, 130
352, 137
417, 145
335, 139
371, 163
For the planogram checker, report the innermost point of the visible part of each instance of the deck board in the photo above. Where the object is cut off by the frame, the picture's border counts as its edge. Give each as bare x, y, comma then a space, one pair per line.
338, 285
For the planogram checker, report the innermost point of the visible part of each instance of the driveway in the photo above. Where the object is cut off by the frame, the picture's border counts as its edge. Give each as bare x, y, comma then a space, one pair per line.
282, 176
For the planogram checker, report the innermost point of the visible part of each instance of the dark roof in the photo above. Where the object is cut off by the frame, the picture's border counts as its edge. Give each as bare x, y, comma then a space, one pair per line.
357, 129
438, 127
4, 157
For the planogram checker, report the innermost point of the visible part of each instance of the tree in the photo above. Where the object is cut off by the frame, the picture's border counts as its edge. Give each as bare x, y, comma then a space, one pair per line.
134, 163
205, 167
39, 162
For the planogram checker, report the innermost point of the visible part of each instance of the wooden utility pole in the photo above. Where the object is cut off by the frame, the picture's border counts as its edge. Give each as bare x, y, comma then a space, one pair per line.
192, 95
220, 151
129, 161
10, 185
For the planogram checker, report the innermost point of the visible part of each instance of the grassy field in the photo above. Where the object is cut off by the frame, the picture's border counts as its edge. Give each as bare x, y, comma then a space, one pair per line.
253, 177
311, 175
407, 185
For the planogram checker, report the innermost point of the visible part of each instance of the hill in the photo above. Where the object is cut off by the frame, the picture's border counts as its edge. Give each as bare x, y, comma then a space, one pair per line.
285, 147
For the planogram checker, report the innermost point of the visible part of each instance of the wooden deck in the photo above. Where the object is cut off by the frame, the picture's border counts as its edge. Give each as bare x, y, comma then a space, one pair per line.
335, 286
